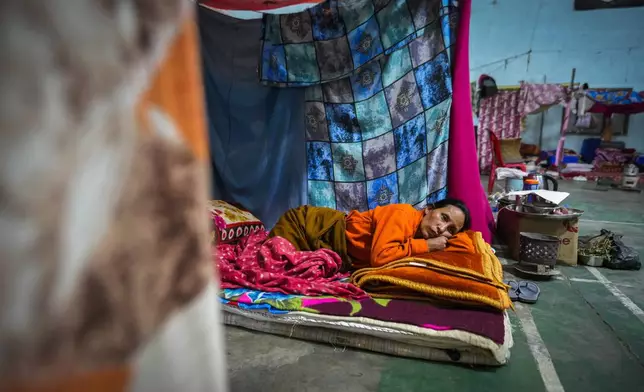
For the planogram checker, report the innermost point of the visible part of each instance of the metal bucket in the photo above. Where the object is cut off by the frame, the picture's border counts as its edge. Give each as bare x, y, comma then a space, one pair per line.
513, 184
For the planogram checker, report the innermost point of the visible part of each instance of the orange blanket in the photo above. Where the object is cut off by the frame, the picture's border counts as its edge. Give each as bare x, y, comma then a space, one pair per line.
466, 272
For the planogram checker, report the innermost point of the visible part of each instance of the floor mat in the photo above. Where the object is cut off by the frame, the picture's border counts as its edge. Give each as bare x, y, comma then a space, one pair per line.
385, 337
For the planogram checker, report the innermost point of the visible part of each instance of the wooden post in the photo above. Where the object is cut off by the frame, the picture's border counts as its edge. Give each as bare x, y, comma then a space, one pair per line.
543, 120
564, 125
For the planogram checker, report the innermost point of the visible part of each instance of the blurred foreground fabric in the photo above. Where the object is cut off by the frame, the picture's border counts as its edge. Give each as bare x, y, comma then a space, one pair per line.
106, 282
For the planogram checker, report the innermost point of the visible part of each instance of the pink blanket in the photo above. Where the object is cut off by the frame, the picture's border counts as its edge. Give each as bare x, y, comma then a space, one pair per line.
275, 265
535, 96
498, 114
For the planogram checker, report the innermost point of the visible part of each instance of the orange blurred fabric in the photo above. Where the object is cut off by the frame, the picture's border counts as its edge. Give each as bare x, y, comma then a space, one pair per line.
466, 272
177, 90
384, 234
114, 379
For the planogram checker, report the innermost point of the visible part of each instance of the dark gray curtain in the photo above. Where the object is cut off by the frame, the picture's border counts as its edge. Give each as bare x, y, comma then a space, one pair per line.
256, 132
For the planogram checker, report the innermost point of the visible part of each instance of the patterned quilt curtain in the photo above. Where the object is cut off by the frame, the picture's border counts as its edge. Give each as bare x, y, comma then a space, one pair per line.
499, 114
378, 97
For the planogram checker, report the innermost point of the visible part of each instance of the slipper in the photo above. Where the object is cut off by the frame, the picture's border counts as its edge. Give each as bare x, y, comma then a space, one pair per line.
513, 291
528, 292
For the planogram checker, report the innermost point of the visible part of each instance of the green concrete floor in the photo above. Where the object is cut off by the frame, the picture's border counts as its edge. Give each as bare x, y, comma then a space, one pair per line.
586, 333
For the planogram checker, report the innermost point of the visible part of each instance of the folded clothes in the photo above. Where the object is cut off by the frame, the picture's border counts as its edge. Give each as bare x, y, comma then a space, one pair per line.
466, 272
274, 264
611, 156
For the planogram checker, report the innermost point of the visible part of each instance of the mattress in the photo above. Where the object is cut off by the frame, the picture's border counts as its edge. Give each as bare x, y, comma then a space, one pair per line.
405, 340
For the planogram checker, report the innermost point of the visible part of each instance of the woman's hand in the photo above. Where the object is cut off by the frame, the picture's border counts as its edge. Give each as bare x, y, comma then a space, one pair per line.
438, 243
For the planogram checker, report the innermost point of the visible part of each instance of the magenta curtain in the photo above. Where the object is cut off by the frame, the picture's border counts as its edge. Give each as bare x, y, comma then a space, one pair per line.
463, 175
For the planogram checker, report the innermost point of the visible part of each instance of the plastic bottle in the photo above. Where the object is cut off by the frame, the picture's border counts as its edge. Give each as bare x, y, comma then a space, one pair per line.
530, 184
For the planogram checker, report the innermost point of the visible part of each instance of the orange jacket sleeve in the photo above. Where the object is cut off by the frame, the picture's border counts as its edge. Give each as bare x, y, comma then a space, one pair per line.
393, 234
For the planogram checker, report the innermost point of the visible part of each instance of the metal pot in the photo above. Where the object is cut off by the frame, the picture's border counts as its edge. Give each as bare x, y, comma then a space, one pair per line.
543, 181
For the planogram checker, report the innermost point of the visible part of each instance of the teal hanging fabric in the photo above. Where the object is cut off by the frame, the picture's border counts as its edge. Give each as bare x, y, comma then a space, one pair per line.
256, 132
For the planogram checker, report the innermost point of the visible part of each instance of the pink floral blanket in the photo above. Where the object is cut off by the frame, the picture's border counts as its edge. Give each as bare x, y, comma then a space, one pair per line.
273, 264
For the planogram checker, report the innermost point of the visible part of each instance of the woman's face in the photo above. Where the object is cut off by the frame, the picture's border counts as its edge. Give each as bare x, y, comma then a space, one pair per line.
444, 221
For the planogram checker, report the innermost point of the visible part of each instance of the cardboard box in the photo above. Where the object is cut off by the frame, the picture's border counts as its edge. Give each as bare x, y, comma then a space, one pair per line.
569, 242
510, 224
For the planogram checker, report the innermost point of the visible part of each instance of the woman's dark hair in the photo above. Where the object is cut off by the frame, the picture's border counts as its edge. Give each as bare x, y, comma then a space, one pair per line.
458, 204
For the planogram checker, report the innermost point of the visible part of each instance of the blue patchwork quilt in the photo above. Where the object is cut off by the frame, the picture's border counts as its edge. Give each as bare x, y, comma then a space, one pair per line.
378, 79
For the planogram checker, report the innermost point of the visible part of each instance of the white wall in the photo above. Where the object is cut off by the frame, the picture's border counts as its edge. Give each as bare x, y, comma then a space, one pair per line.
605, 46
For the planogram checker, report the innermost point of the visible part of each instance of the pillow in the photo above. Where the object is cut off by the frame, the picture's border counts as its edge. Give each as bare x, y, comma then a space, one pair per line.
510, 150
230, 223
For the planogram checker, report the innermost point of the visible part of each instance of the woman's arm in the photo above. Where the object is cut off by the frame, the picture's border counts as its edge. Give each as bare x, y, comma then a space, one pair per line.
393, 235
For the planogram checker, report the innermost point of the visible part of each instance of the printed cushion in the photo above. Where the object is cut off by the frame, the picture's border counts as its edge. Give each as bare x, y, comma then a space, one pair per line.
230, 223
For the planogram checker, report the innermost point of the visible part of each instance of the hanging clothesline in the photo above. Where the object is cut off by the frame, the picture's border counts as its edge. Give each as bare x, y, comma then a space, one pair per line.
502, 113
518, 86
537, 97
507, 60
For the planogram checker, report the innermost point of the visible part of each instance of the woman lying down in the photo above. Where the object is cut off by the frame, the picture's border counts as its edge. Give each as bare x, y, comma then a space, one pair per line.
376, 236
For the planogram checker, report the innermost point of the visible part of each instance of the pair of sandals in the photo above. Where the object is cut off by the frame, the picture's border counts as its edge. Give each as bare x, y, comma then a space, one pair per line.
523, 291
